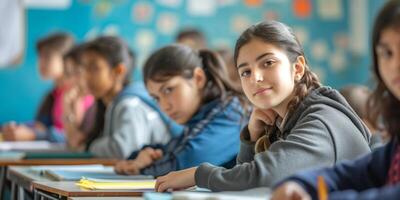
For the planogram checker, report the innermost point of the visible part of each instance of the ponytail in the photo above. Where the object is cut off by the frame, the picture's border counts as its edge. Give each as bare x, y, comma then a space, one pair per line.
305, 85
215, 69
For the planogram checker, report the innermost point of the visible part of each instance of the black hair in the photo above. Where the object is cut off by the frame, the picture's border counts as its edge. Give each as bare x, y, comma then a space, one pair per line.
114, 50
180, 60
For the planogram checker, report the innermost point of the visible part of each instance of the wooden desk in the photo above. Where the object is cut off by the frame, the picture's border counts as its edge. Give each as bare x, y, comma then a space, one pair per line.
18, 183
68, 189
21, 179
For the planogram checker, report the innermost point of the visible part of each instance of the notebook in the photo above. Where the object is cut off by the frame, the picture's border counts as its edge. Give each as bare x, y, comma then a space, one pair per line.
57, 155
116, 184
65, 175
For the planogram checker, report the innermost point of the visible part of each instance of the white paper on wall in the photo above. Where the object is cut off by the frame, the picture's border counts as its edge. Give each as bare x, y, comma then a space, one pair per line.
239, 23
302, 34
319, 49
338, 61
330, 9
48, 4
167, 23
145, 40
358, 15
201, 8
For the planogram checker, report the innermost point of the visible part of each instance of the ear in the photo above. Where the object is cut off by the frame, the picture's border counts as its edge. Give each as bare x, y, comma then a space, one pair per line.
299, 68
199, 77
120, 70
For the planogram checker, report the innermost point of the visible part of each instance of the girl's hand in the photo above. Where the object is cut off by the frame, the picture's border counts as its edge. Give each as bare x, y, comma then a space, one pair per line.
258, 120
176, 180
290, 191
13, 132
147, 156
127, 167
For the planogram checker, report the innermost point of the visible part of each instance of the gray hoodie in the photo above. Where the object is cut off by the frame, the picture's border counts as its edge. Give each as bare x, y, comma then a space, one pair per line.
321, 131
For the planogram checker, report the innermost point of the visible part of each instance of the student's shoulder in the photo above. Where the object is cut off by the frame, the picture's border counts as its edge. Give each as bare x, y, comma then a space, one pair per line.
132, 104
326, 111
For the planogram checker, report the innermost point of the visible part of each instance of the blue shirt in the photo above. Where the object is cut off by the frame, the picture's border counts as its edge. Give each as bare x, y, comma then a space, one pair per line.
363, 178
211, 135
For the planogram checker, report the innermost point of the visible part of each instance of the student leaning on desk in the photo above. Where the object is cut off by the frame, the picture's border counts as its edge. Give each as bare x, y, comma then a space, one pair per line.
376, 175
296, 123
48, 123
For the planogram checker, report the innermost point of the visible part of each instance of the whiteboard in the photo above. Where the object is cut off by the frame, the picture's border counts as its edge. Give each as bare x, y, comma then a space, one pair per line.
12, 32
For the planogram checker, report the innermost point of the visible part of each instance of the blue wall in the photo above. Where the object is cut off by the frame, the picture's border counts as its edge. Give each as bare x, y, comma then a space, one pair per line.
22, 88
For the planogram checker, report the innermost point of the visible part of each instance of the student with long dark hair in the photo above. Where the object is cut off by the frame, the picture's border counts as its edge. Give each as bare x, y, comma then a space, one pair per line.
296, 123
376, 175
131, 119
191, 87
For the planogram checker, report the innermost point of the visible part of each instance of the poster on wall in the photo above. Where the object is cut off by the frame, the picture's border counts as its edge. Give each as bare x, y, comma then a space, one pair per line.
12, 38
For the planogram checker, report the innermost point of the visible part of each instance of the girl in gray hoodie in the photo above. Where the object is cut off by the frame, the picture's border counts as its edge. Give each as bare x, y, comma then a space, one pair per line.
296, 123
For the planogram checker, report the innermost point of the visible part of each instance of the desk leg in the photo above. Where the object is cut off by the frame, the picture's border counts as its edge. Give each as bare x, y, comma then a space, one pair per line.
14, 191
3, 170
36, 195
21, 193
43, 195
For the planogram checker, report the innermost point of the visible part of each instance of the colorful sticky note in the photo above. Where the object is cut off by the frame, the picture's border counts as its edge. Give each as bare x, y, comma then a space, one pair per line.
302, 8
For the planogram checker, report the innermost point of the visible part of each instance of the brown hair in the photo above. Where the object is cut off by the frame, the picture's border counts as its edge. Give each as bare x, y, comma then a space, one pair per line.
56, 42
281, 36
383, 105
357, 96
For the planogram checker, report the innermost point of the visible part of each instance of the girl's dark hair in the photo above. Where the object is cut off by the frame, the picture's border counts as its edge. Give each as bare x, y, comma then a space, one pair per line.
59, 42
180, 60
114, 50
94, 132
281, 36
383, 104
74, 53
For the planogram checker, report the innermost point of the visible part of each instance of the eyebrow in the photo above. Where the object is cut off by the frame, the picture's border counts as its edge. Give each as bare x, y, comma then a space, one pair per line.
382, 44
257, 59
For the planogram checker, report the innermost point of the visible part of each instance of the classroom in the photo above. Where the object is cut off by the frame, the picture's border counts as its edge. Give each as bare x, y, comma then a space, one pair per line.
199, 99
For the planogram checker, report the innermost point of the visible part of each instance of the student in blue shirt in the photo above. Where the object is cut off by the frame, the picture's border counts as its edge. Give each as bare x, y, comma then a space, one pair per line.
376, 175
191, 87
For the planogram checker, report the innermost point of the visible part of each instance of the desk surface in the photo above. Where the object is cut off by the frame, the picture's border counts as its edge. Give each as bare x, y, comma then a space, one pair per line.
108, 162
24, 177
70, 189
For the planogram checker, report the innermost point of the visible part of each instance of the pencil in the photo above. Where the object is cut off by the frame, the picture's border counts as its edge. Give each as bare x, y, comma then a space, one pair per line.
322, 189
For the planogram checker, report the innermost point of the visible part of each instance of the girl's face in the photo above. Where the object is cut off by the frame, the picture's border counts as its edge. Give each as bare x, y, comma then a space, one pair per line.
99, 76
74, 76
178, 97
267, 76
388, 54
50, 65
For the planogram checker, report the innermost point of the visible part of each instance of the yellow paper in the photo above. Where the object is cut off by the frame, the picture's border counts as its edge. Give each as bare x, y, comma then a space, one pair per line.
100, 184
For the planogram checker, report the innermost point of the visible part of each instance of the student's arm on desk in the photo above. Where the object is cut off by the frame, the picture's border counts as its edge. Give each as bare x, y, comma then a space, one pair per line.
362, 178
